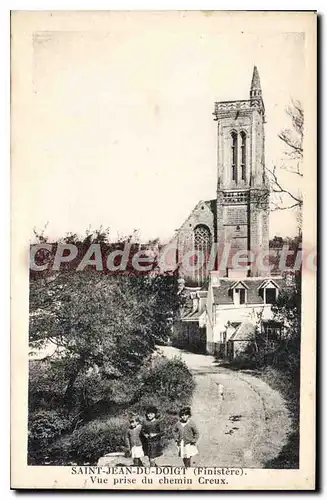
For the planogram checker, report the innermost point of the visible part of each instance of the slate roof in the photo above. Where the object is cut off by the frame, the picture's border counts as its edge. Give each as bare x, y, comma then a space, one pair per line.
244, 331
255, 83
188, 313
222, 294
192, 316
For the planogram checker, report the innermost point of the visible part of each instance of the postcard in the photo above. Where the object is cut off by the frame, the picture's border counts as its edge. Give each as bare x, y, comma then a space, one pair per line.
163, 259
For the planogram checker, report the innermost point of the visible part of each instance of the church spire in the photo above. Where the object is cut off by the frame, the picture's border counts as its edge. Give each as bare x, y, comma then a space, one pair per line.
255, 90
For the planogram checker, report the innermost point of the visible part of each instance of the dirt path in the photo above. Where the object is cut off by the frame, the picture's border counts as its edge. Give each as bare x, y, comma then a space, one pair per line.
246, 429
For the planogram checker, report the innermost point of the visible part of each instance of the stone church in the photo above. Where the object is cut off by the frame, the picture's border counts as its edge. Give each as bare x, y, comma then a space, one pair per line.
223, 304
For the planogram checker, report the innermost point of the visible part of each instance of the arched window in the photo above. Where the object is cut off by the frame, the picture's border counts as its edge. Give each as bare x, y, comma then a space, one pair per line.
234, 156
243, 156
202, 243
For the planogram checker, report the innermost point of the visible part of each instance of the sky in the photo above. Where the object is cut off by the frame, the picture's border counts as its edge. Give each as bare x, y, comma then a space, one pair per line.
121, 127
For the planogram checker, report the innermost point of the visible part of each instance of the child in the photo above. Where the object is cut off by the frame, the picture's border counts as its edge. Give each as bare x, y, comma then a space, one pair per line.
133, 441
186, 435
152, 434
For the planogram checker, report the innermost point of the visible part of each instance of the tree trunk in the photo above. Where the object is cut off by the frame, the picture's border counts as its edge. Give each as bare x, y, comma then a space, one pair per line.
69, 392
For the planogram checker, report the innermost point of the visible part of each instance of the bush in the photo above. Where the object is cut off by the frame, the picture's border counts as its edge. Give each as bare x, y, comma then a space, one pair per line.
97, 438
44, 427
46, 385
166, 384
169, 379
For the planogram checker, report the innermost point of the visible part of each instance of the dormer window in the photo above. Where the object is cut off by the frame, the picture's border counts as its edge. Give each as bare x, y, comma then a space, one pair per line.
269, 292
239, 293
271, 295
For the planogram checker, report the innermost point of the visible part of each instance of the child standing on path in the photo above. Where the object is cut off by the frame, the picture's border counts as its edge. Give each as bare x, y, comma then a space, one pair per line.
152, 433
133, 441
186, 435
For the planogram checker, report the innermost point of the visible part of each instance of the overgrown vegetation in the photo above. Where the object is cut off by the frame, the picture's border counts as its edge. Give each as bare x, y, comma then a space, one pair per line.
278, 363
103, 330
57, 438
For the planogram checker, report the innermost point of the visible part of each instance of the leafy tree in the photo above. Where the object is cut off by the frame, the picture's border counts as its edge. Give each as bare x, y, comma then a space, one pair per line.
98, 322
287, 311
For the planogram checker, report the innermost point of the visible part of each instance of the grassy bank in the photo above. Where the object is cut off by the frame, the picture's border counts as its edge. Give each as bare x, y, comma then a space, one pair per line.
283, 383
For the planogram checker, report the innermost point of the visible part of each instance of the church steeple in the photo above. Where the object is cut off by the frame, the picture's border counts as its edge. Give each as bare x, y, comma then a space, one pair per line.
255, 90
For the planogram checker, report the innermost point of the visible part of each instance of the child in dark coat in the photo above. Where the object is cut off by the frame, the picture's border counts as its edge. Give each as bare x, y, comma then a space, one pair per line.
152, 434
186, 435
133, 441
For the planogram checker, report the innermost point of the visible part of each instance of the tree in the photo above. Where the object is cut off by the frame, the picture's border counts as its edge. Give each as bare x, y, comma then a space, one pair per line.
287, 311
97, 321
287, 197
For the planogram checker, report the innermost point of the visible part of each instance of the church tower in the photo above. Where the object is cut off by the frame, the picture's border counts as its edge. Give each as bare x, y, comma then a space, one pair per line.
242, 188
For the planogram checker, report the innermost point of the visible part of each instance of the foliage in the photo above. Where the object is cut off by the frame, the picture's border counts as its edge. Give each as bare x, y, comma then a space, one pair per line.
98, 438
283, 353
105, 328
103, 323
43, 428
170, 380
166, 384
288, 458
279, 364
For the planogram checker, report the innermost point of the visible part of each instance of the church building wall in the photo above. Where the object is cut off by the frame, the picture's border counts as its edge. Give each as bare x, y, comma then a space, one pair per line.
201, 215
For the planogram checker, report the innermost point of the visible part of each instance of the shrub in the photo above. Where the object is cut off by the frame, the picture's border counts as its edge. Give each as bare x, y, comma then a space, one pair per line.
169, 379
97, 438
46, 385
166, 384
44, 427
47, 425
60, 451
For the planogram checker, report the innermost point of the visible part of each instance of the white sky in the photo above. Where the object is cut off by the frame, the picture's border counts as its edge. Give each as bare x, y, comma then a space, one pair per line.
122, 130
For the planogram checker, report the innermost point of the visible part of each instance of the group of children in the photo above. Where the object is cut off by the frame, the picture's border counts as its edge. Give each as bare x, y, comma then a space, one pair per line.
146, 439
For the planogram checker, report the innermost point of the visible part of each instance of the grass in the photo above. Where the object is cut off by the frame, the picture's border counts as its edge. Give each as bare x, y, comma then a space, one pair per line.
288, 457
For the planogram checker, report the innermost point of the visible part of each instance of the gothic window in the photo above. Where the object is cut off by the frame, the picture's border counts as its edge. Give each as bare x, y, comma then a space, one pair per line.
202, 244
234, 156
202, 238
243, 155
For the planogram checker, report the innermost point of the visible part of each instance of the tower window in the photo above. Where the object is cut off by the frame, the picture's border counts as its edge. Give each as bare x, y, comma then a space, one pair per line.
243, 156
234, 156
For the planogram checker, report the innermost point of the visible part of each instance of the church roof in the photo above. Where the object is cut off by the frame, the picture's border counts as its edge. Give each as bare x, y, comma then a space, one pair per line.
255, 84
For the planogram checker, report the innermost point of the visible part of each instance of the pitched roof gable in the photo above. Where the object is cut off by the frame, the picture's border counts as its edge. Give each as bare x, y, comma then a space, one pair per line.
237, 283
266, 283
222, 293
